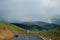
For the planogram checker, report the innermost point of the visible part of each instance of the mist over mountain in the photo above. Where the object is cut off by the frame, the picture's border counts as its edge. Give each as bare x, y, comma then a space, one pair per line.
28, 10
56, 20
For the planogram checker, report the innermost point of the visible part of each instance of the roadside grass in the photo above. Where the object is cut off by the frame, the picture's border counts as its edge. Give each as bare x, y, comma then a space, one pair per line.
49, 34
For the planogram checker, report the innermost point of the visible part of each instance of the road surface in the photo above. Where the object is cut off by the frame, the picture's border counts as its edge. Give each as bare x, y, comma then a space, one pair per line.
28, 37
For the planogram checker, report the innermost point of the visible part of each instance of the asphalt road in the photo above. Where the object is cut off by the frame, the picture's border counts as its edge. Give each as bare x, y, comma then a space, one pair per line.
28, 37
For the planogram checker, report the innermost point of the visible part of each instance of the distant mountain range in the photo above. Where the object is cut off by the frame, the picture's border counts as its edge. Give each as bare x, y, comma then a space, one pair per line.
38, 25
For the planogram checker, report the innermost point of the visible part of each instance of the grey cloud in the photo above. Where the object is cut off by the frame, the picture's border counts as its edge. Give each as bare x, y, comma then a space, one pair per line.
28, 10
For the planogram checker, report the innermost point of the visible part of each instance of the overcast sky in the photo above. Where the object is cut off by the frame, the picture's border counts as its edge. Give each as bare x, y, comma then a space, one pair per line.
28, 10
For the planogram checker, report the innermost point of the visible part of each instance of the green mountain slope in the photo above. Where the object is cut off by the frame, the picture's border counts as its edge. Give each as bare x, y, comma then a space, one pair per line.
11, 27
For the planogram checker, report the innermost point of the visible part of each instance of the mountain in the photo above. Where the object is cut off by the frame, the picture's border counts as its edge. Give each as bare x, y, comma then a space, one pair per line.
38, 25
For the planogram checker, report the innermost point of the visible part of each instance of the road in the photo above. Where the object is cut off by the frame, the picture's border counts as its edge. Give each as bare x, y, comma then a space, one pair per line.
28, 37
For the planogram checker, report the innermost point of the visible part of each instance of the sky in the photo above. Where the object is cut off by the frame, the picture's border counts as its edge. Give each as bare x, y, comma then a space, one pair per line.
29, 10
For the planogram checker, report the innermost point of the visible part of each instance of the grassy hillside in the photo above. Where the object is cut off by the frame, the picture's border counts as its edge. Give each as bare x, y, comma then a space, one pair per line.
11, 27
